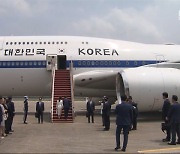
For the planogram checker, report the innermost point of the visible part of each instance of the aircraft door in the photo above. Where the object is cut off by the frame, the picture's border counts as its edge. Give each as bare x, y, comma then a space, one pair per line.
51, 61
1, 44
61, 60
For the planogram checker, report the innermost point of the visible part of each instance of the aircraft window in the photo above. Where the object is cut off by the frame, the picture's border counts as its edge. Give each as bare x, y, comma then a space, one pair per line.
6, 43
36, 43
15, 43
12, 63
101, 62
61, 42
92, 63
65, 42
26, 63
127, 63
52, 42
27, 42
17, 63
106, 63
35, 63
39, 63
40, 42
135, 63
11, 43
44, 42
57, 42
21, 63
114, 63
143, 62
79, 63
4, 63
23, 42
97, 63
82, 42
44, 63
8, 64
30, 63
32, 42
0, 63
110, 63
86, 42
19, 43
84, 62
118, 63
49, 43
88, 63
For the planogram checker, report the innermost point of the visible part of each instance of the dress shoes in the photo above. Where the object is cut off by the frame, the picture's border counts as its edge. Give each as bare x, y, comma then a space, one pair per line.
123, 150
105, 129
165, 140
25, 123
116, 148
171, 143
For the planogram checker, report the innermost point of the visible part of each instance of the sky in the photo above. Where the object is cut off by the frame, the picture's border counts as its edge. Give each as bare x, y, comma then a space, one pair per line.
145, 21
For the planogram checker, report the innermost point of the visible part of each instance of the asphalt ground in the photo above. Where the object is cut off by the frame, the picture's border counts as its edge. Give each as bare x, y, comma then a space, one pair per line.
80, 136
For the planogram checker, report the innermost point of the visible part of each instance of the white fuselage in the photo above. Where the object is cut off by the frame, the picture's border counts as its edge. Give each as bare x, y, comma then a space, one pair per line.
24, 60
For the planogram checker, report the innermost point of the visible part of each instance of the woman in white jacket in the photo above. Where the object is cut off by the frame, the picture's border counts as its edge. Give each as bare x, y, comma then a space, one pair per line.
59, 107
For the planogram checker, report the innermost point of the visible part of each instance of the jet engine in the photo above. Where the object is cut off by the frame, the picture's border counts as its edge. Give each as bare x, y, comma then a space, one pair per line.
146, 85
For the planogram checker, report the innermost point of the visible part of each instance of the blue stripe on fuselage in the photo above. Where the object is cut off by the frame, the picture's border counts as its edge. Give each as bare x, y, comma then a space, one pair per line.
78, 63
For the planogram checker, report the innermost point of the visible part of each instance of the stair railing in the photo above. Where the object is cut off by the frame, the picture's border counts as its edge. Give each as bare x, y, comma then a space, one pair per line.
72, 88
52, 96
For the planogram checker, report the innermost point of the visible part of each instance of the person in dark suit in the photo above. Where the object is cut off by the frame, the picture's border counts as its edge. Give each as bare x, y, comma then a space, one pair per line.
174, 119
135, 112
123, 121
90, 110
165, 110
106, 113
25, 109
11, 113
40, 109
66, 106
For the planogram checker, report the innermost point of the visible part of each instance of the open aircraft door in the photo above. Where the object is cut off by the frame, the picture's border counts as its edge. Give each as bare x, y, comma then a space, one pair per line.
1, 43
51, 60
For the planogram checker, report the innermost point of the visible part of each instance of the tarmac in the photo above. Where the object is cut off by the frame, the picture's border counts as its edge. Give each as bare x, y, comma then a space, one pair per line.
80, 136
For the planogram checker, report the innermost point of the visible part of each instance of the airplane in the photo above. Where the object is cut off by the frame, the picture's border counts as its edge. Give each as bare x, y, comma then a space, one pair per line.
100, 67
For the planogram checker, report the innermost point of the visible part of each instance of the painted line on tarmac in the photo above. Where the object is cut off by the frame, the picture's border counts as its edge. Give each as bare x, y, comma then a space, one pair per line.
158, 150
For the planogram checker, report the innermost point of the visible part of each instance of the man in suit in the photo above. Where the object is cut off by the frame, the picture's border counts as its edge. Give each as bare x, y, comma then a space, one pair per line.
40, 110
11, 113
174, 119
106, 113
135, 112
90, 110
165, 110
25, 109
66, 106
123, 121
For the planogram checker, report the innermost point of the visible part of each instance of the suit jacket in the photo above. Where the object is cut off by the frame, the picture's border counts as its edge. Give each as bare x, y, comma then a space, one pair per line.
11, 109
174, 113
165, 109
124, 113
39, 107
106, 109
90, 106
26, 105
66, 103
1, 114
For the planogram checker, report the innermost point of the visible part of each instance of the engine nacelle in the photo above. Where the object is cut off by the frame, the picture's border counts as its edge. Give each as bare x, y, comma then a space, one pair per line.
146, 85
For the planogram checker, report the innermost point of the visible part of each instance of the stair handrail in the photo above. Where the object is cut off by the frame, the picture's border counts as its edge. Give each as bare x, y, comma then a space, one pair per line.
72, 88
52, 96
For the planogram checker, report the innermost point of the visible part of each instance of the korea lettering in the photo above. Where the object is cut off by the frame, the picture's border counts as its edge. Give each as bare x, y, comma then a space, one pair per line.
24, 52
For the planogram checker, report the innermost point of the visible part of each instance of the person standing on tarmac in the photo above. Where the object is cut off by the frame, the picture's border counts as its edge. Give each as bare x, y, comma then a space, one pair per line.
124, 119
25, 109
165, 110
135, 113
90, 110
106, 113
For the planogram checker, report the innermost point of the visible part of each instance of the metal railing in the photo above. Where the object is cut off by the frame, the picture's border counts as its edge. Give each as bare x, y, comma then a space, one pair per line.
72, 87
52, 99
